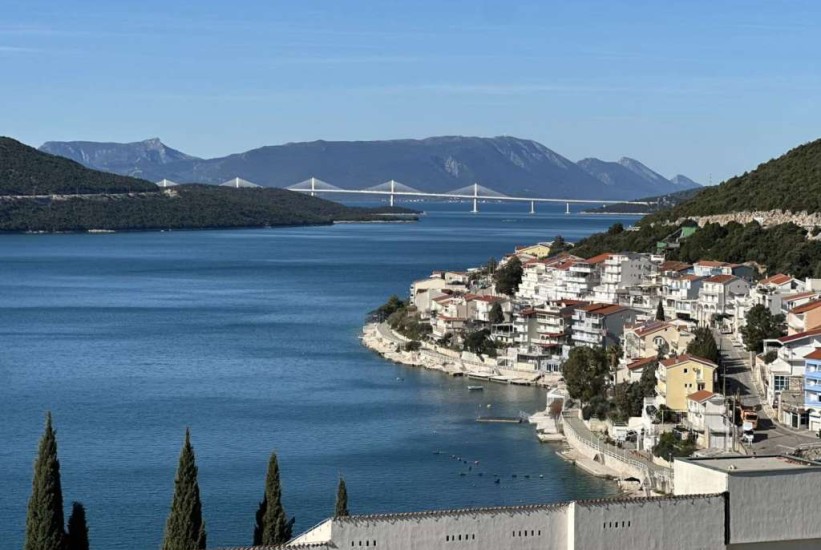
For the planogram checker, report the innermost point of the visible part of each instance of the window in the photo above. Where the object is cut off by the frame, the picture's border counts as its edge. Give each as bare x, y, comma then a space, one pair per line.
780, 382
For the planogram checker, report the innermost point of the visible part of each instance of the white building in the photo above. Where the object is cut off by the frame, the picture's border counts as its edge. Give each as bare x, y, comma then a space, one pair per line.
707, 417
623, 271
715, 299
737, 503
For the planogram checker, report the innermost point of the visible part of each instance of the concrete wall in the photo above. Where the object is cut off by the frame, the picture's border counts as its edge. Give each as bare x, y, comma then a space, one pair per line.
776, 506
525, 528
693, 479
648, 524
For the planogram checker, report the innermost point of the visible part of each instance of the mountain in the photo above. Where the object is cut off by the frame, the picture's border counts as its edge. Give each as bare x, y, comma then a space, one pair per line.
790, 182
631, 174
657, 203
439, 164
27, 171
782, 242
684, 182
84, 199
137, 159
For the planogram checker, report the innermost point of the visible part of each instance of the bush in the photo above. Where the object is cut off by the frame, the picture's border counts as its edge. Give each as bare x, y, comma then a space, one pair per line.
413, 345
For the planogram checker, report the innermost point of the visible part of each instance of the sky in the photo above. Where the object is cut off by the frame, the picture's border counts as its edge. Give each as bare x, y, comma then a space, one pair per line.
703, 88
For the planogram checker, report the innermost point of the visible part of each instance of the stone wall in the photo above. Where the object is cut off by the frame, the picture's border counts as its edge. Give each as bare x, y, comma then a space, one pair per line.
765, 218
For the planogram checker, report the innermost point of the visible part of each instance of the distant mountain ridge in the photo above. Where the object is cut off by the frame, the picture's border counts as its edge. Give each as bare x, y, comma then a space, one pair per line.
509, 165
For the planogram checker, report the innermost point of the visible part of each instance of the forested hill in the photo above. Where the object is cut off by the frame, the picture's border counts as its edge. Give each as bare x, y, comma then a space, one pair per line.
790, 182
43, 193
27, 171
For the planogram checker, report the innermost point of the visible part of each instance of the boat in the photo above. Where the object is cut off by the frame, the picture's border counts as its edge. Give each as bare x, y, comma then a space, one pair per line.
476, 388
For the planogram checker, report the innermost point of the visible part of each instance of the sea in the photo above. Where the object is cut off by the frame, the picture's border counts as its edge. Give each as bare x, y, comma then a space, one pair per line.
250, 338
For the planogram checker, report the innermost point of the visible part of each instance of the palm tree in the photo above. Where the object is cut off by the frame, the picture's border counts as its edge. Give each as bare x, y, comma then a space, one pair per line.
614, 353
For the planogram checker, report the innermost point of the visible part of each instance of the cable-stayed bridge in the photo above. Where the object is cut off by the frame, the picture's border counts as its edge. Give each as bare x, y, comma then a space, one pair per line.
473, 193
394, 189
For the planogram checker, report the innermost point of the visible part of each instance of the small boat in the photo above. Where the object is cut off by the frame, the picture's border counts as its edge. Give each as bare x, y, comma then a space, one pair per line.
476, 388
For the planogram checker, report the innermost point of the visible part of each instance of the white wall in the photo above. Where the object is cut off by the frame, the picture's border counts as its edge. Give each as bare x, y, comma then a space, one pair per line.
693, 479
648, 524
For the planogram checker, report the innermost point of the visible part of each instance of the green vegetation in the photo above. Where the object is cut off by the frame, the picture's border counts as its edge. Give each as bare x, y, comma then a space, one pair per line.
387, 309
407, 322
341, 509
761, 324
509, 276
77, 530
44, 522
480, 343
656, 203
496, 315
704, 345
660, 312
669, 446
26, 171
273, 526
185, 528
585, 373
791, 182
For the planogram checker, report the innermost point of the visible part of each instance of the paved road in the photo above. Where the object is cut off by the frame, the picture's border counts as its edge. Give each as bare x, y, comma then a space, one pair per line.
771, 437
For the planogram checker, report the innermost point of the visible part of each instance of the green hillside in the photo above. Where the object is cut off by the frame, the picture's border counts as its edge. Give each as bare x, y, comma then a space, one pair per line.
27, 171
790, 182
86, 199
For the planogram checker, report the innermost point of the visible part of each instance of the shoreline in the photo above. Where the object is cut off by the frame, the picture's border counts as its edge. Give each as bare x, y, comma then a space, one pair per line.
387, 344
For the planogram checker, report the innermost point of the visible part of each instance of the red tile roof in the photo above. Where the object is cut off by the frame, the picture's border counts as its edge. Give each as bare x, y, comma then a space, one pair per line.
711, 263
814, 355
799, 296
809, 306
641, 363
800, 335
777, 279
673, 265
599, 259
700, 396
602, 309
721, 279
649, 327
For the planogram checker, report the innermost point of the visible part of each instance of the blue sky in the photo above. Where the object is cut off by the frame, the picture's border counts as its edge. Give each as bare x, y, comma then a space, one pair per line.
708, 89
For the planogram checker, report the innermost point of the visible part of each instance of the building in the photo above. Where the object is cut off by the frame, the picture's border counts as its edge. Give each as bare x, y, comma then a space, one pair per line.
622, 271
600, 324
707, 417
812, 389
678, 377
679, 294
786, 371
804, 317
719, 503
715, 299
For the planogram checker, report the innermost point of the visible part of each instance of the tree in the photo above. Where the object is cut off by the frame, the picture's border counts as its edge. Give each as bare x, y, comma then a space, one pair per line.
77, 535
648, 379
585, 373
479, 342
393, 305
660, 312
44, 523
761, 325
341, 500
615, 229
508, 277
185, 528
273, 527
496, 315
559, 245
614, 353
490, 266
704, 345
627, 400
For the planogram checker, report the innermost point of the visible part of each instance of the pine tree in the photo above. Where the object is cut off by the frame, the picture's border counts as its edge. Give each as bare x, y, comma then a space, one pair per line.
44, 523
275, 527
660, 312
341, 500
185, 529
77, 535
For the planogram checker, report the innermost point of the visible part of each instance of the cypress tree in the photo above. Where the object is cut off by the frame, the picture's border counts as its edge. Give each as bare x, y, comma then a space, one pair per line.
341, 500
77, 535
660, 312
275, 527
185, 529
44, 523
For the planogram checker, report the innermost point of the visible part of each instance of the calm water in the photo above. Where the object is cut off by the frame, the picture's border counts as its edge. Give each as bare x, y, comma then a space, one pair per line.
250, 338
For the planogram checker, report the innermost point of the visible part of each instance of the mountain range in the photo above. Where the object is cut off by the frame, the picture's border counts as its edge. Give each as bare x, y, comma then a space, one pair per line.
513, 166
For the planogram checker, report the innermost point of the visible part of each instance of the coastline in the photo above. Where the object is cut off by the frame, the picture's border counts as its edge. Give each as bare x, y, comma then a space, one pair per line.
388, 344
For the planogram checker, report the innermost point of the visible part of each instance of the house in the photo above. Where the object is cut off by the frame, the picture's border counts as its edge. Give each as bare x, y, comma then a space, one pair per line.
600, 324
634, 370
621, 271
812, 389
804, 317
539, 250
707, 417
786, 371
650, 339
678, 377
679, 294
715, 299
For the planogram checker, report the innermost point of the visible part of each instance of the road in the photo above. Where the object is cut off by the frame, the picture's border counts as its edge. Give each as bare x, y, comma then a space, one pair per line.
770, 437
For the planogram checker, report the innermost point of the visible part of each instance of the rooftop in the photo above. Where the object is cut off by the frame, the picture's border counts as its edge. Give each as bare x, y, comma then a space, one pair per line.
765, 463
777, 279
809, 306
721, 279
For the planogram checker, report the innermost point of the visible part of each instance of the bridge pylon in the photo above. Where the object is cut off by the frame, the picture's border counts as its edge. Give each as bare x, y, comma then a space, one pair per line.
532, 207
475, 199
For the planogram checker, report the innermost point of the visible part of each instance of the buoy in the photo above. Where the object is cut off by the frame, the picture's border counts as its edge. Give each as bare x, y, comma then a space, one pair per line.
497, 480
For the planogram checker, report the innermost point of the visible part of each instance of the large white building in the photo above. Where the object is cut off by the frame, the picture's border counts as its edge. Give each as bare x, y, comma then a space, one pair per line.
738, 503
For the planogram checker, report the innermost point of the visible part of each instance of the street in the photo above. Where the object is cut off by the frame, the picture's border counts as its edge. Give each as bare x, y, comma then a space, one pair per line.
770, 437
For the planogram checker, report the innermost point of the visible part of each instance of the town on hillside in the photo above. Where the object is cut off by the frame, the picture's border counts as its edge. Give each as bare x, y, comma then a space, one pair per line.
663, 358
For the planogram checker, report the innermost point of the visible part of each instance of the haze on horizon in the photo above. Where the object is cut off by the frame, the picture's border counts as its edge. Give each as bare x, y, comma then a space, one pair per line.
704, 89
